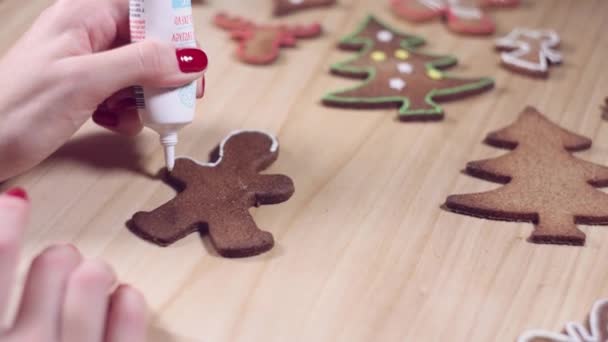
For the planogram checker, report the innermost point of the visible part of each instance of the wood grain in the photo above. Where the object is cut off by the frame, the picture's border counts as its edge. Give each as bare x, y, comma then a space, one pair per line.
364, 251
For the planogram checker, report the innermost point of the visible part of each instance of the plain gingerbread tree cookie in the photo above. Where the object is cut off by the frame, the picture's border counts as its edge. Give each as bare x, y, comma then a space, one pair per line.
216, 197
544, 183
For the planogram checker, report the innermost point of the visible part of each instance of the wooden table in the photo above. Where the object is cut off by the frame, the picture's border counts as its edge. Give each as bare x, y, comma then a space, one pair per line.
364, 252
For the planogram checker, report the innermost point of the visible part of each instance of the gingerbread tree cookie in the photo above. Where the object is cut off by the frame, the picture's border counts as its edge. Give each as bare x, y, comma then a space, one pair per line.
397, 75
216, 197
259, 44
596, 329
545, 184
461, 16
529, 52
284, 7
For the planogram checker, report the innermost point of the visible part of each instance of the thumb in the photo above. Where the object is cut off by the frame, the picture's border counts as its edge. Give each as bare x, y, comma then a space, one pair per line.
147, 63
14, 212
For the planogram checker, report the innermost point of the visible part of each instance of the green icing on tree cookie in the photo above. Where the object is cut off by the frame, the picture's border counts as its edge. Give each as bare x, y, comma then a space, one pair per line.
396, 74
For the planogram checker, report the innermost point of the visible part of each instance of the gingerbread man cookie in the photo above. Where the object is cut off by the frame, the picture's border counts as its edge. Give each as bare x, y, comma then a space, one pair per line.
216, 197
596, 329
461, 16
544, 183
284, 7
397, 75
529, 52
260, 44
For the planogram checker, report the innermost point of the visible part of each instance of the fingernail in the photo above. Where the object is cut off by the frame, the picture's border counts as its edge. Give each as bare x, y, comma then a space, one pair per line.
105, 118
192, 60
72, 247
18, 193
125, 103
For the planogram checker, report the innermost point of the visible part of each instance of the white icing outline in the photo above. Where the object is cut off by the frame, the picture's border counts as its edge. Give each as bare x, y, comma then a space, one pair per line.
549, 40
433, 4
273, 148
573, 330
464, 11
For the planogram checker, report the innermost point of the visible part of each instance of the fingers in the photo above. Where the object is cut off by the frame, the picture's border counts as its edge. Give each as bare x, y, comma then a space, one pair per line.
119, 113
86, 302
200, 88
127, 318
148, 63
45, 288
14, 211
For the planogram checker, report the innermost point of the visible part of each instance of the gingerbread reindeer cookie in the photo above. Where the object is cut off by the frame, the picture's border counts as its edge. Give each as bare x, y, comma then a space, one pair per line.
529, 52
596, 329
259, 44
216, 197
285, 7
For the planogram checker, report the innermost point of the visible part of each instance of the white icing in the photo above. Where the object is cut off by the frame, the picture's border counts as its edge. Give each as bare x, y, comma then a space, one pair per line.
296, 2
548, 41
433, 4
273, 148
405, 68
573, 331
385, 36
397, 83
464, 11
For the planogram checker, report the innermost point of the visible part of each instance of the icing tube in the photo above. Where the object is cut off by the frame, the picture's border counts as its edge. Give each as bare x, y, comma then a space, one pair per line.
165, 111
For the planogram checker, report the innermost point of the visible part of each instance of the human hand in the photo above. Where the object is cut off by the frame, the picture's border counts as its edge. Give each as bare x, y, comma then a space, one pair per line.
65, 298
72, 59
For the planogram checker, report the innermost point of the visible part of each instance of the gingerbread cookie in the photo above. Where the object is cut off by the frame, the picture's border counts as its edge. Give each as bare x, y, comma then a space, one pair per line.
397, 75
545, 184
216, 197
529, 52
261, 44
499, 3
461, 16
284, 7
596, 329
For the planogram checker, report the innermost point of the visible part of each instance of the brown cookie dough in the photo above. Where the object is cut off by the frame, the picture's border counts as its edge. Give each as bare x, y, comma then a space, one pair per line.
216, 197
545, 183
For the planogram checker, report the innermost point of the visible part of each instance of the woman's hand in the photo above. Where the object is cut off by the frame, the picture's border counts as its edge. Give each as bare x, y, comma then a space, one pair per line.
73, 59
65, 298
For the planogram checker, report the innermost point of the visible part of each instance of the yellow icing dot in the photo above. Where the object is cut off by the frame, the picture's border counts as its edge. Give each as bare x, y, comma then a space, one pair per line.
402, 54
434, 74
378, 56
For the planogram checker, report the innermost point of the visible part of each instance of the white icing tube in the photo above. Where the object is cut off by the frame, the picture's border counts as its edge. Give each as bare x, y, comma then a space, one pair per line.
165, 111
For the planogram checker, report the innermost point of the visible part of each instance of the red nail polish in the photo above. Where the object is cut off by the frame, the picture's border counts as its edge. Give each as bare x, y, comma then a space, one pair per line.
125, 103
18, 192
192, 60
105, 118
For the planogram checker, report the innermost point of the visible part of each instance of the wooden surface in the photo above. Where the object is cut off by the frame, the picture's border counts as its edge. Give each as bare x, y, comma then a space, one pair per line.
364, 252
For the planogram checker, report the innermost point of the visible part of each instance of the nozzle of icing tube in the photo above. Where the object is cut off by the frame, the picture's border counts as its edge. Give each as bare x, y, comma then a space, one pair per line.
169, 141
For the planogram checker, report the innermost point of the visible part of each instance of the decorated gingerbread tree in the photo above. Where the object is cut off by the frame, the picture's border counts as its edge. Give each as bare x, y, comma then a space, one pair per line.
397, 75
545, 184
